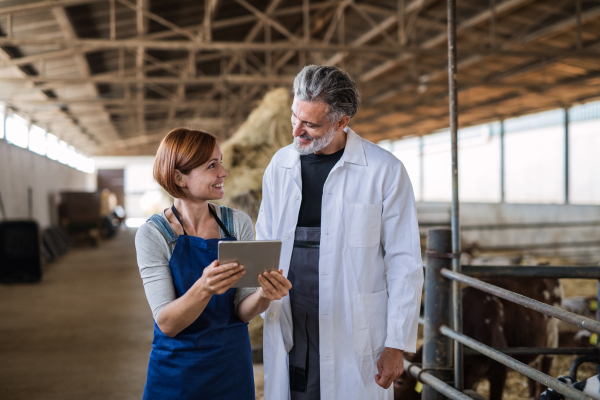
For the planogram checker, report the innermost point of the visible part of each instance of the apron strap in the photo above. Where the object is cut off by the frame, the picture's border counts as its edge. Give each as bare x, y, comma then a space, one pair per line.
223, 228
178, 218
212, 212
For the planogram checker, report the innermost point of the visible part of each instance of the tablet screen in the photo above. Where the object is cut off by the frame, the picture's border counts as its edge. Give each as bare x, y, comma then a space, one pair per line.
256, 256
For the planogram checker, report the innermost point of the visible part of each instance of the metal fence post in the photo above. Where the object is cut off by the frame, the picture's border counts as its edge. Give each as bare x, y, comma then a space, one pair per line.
437, 349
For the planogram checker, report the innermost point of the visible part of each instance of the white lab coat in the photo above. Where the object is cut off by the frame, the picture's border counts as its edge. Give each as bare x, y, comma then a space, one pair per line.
370, 273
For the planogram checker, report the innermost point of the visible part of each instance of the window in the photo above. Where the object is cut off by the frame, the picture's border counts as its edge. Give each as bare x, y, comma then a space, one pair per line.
437, 169
17, 131
89, 166
52, 148
535, 159
72, 154
37, 140
479, 163
584, 162
63, 152
408, 151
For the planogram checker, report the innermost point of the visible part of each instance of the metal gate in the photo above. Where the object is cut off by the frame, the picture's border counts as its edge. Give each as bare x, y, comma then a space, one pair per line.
439, 359
442, 351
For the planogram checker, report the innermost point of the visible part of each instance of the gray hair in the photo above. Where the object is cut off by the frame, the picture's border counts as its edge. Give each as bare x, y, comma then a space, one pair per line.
330, 85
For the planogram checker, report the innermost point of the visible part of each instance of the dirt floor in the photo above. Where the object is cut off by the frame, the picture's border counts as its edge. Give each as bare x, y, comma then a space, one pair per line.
83, 332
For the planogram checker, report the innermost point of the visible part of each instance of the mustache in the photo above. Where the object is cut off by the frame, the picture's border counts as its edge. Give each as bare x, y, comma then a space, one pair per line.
305, 137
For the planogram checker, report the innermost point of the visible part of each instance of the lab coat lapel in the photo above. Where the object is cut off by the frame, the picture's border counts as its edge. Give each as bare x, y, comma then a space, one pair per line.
355, 151
292, 166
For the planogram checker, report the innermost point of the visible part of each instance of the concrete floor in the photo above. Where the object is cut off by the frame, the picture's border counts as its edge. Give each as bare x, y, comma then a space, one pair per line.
84, 332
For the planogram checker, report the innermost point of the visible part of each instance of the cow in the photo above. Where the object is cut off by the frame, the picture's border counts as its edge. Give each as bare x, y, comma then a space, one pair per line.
590, 386
580, 338
584, 306
496, 322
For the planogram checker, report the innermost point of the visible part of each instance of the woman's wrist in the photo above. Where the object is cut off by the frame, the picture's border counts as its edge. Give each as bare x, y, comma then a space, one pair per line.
201, 290
252, 306
263, 300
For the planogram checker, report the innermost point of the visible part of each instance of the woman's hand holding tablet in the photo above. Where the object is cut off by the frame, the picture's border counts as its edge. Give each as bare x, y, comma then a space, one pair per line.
255, 256
218, 278
260, 260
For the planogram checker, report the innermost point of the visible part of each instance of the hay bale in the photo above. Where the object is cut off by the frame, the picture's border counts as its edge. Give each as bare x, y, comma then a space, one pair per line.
248, 152
246, 156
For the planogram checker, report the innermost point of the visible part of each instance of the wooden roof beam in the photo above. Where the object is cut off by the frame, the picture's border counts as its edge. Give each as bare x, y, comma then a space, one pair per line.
268, 20
220, 24
436, 100
374, 32
505, 6
561, 26
67, 28
40, 5
174, 45
568, 23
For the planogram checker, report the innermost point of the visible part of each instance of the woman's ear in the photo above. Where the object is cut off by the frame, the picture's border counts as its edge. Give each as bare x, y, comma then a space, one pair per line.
179, 179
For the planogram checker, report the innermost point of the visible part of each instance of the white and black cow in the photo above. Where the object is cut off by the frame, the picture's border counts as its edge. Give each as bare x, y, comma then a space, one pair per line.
590, 386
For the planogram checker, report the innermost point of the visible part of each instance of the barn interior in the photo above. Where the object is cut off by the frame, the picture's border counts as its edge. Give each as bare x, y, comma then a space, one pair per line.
89, 88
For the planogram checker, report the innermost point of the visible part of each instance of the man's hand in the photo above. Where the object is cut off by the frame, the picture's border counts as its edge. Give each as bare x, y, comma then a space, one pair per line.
390, 366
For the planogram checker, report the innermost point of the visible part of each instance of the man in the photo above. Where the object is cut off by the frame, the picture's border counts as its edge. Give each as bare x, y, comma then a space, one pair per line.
344, 209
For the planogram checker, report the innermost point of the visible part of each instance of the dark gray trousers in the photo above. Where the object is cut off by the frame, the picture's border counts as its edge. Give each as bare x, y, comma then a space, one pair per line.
305, 378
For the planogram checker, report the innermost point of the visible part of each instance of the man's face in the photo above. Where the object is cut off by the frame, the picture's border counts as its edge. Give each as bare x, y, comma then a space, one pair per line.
312, 129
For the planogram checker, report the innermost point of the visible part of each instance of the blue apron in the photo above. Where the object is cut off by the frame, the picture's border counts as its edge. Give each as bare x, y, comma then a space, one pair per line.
211, 358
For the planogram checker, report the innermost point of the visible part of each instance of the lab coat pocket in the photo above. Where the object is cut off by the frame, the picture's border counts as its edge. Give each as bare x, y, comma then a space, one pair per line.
370, 322
363, 224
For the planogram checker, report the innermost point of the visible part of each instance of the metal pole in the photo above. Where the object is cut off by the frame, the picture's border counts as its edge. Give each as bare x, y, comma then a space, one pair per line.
536, 351
566, 155
516, 365
429, 379
493, 24
437, 349
421, 169
510, 271
502, 165
598, 319
453, 111
569, 317
578, 19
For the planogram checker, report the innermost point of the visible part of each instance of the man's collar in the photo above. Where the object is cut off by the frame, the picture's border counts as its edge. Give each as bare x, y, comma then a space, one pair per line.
354, 152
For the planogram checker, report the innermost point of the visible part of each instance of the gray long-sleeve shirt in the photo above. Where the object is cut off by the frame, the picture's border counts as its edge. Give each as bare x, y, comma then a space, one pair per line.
154, 254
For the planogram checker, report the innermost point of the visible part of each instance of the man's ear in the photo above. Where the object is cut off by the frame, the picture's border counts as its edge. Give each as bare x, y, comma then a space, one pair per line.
179, 179
342, 123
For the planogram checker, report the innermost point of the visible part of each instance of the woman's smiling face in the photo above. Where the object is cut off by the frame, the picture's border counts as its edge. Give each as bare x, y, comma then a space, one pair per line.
206, 181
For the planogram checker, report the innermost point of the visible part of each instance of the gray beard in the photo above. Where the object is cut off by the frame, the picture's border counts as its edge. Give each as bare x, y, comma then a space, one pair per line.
316, 144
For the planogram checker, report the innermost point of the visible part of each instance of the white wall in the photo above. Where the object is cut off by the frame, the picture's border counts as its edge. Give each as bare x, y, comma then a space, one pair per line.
143, 196
21, 168
498, 213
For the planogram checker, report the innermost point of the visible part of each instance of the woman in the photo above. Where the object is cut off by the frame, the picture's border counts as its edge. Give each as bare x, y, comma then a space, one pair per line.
201, 347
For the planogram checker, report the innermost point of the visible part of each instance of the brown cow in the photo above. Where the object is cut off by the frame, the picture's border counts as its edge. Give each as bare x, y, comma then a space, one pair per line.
499, 323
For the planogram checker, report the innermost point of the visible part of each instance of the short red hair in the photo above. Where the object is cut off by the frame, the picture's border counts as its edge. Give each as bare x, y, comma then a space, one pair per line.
183, 150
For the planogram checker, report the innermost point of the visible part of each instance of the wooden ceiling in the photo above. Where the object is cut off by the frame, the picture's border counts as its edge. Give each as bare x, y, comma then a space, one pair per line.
114, 76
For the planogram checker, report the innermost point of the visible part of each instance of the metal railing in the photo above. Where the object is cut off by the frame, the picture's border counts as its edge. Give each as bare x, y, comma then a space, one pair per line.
439, 338
442, 350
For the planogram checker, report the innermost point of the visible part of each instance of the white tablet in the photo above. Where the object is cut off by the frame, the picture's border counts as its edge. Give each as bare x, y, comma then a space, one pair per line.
256, 256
